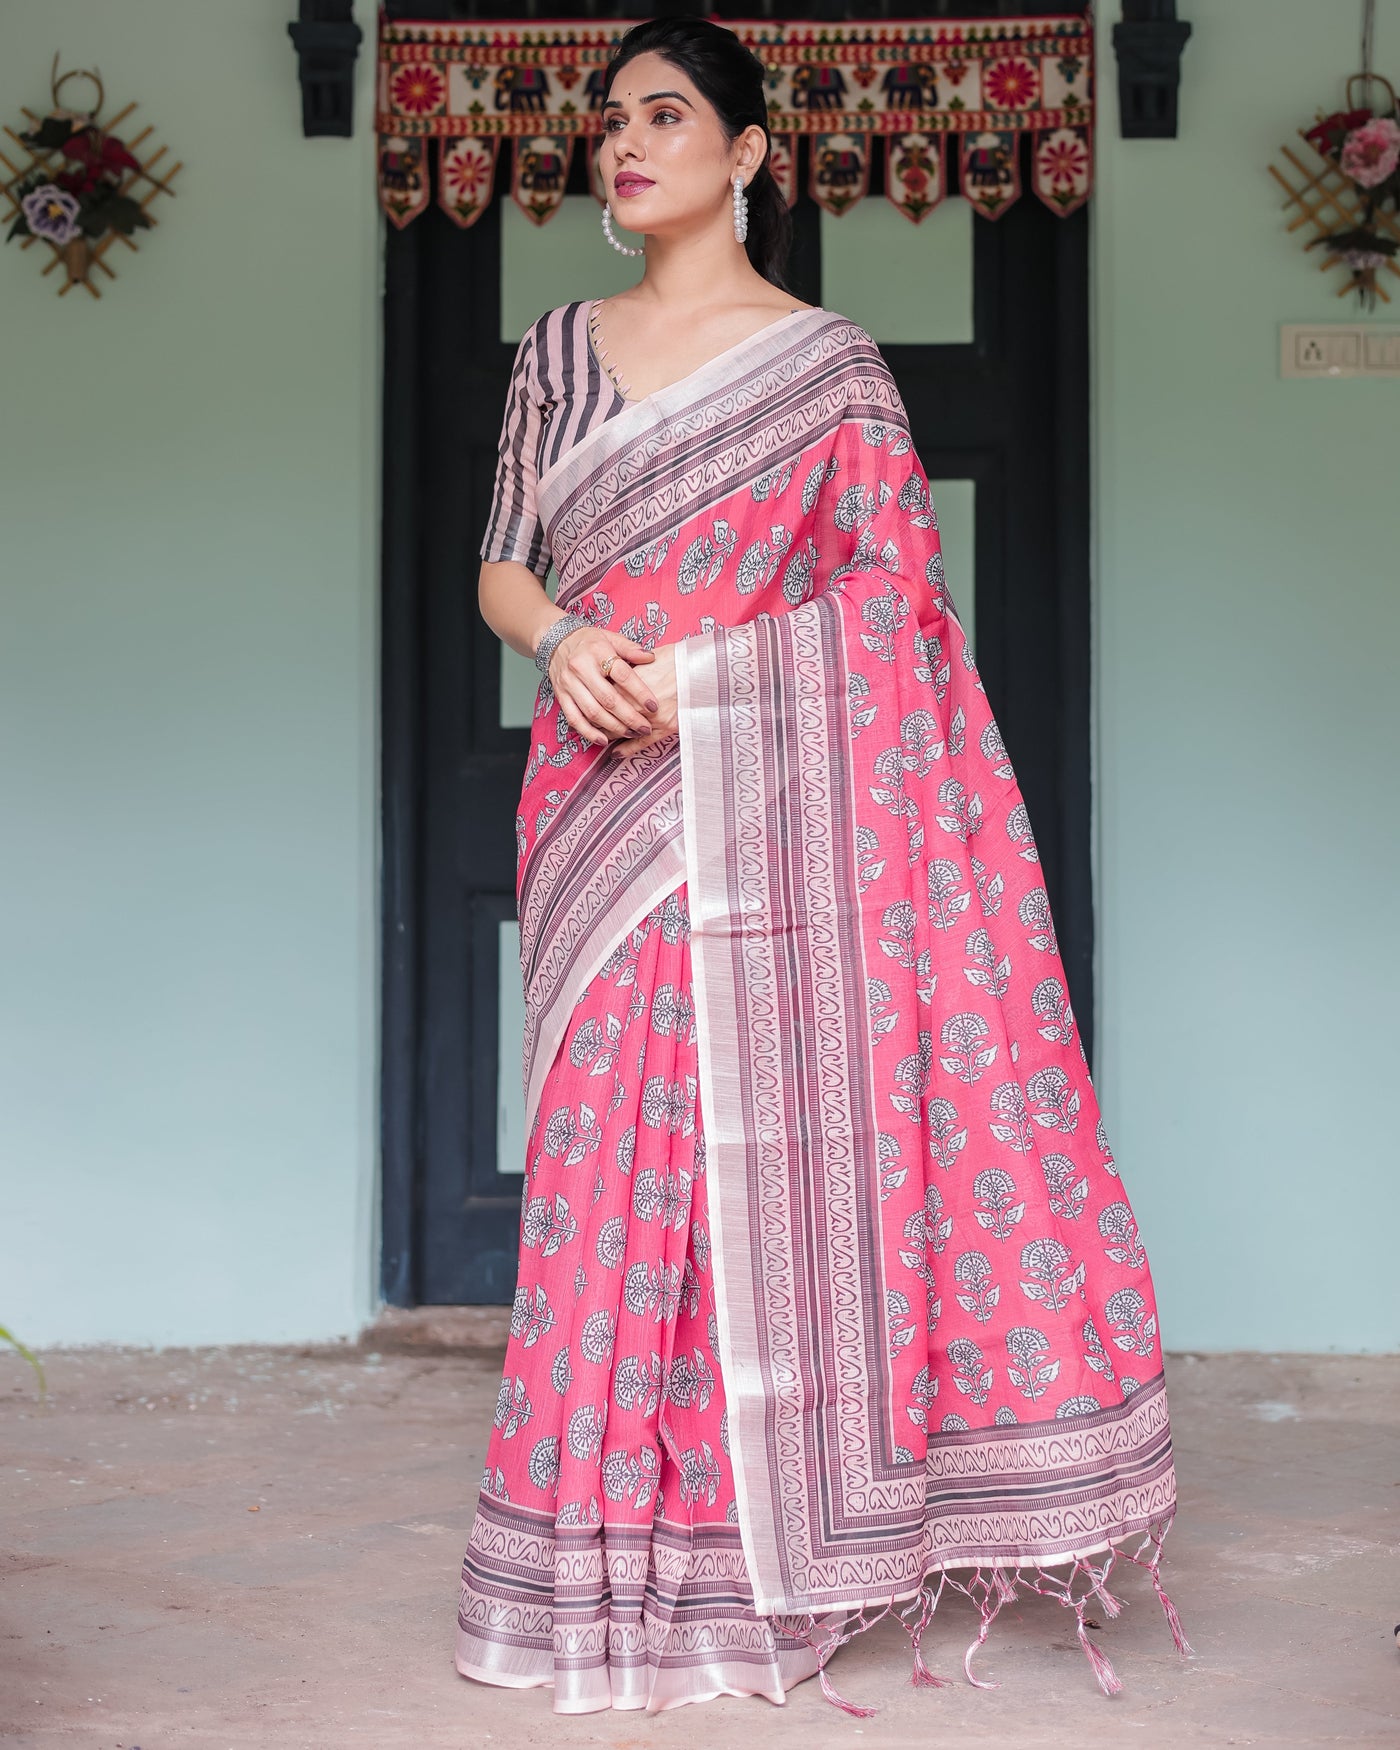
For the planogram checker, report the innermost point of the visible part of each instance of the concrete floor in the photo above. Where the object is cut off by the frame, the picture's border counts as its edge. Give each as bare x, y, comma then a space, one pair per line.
241, 1547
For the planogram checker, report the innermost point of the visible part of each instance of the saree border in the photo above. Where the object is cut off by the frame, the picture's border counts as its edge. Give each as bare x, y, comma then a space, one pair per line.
633, 1616
635, 480
696, 384
611, 853
786, 1092
832, 1516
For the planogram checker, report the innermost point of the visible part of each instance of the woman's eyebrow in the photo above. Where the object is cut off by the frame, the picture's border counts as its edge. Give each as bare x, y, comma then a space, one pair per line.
613, 103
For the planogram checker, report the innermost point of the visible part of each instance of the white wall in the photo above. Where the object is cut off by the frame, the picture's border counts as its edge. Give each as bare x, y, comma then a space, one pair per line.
188, 514
1249, 718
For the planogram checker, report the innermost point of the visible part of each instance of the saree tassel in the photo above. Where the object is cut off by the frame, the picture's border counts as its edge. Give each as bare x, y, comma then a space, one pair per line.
1183, 1646
1111, 1606
1049, 1585
1157, 1537
1098, 1579
838, 1639
989, 1597
981, 1682
921, 1677
1109, 1680
854, 1708
989, 1589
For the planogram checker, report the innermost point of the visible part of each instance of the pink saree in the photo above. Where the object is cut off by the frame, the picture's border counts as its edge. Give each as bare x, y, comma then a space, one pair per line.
830, 1295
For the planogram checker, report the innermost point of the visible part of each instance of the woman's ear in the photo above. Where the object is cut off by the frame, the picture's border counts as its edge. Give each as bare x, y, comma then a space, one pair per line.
751, 147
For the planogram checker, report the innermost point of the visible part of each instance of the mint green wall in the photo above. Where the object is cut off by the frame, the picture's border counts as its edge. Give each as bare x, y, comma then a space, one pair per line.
1248, 619
187, 711
188, 510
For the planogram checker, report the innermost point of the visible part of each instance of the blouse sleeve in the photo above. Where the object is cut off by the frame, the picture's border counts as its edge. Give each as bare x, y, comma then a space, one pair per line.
515, 530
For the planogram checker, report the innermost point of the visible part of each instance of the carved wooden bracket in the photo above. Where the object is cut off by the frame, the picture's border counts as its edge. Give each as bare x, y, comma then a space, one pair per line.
1148, 44
327, 41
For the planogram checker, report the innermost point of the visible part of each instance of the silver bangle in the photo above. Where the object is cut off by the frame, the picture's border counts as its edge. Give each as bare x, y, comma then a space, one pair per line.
556, 634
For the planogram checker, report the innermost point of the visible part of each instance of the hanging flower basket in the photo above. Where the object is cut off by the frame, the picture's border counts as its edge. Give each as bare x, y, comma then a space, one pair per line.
1347, 189
83, 188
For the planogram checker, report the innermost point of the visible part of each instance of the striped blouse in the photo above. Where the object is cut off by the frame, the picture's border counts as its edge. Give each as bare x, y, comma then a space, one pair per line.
558, 393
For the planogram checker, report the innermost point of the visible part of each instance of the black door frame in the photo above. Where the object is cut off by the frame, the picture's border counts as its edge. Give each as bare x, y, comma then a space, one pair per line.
402, 766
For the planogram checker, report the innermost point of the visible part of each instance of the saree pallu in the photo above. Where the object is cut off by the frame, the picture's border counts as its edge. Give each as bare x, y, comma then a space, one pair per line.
830, 1293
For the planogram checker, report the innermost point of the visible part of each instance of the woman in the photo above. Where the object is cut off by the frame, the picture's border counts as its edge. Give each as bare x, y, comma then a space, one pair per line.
829, 1293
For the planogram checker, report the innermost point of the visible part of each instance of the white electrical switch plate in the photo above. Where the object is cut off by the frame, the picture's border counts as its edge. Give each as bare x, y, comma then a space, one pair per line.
1338, 349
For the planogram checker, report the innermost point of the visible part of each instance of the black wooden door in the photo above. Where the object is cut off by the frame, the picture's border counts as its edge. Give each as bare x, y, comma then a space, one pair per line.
1008, 411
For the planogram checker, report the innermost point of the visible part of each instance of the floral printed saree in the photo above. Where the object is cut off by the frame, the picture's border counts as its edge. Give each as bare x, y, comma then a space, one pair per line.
830, 1295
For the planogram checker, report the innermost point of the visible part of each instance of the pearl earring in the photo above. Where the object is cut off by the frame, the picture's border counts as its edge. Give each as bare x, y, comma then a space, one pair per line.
622, 248
741, 210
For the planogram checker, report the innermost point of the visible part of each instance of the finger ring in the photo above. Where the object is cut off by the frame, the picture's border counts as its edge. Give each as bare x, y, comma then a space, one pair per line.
607, 664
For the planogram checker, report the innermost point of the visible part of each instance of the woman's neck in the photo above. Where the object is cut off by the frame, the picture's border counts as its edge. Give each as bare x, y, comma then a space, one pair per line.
697, 272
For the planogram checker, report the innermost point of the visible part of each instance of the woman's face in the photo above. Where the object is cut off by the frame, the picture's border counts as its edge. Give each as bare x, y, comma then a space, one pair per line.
665, 162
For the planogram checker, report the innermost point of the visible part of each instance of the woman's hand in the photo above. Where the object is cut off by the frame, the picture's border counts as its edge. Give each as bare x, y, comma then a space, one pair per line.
603, 707
662, 680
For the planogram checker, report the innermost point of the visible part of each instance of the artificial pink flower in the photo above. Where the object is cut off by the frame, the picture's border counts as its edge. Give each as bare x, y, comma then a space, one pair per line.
1371, 153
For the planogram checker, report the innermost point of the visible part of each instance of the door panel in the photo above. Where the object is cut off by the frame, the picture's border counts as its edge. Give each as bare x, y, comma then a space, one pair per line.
904, 283
984, 326
570, 252
955, 503
510, 1031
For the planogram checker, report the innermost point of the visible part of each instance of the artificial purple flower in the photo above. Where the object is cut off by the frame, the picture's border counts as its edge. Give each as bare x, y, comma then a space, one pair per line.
51, 213
1371, 153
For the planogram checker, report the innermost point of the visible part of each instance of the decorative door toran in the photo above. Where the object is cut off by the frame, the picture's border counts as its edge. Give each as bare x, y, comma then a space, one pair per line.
914, 84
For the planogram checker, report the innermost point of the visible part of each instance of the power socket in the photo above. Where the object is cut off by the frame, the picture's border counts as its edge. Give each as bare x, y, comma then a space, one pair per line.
1338, 349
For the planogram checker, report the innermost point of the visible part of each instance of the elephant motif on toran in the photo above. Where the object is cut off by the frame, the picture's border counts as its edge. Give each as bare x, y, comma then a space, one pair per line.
522, 88
818, 88
914, 85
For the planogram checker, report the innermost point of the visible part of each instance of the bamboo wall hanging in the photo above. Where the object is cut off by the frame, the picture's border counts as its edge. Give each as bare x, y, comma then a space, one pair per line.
82, 188
1346, 184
